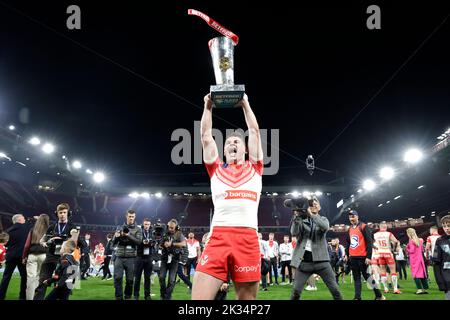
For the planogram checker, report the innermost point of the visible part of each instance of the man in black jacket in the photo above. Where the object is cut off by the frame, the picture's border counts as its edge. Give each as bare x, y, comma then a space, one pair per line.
127, 238
56, 234
85, 261
18, 234
108, 254
359, 253
144, 261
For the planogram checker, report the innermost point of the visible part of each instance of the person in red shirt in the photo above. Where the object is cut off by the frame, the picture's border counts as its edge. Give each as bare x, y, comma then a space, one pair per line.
359, 253
4, 237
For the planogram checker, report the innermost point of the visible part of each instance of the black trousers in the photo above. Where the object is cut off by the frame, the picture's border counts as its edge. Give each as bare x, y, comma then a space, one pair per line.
167, 289
120, 265
105, 267
183, 278
143, 264
274, 266
191, 262
59, 293
85, 263
359, 267
265, 266
285, 264
47, 269
10, 265
401, 268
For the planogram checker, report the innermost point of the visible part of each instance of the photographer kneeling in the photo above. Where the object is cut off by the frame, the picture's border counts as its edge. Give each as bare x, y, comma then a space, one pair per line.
173, 242
311, 254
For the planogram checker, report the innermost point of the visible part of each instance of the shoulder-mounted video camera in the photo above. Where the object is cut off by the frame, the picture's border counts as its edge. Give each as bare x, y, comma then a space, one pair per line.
299, 205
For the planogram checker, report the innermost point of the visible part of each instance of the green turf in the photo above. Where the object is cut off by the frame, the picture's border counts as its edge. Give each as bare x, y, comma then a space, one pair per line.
95, 289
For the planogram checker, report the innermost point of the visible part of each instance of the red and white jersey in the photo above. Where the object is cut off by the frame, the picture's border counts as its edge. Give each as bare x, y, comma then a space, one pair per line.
383, 241
2, 253
431, 239
235, 191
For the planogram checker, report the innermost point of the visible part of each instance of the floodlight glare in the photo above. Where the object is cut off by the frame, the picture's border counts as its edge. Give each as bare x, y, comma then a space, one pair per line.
413, 156
88, 171
295, 194
11, 127
48, 148
386, 173
99, 177
306, 194
134, 195
145, 195
318, 193
159, 195
77, 164
369, 185
35, 141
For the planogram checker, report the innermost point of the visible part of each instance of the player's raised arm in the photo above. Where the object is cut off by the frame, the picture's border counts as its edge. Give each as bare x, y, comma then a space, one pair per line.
210, 152
255, 151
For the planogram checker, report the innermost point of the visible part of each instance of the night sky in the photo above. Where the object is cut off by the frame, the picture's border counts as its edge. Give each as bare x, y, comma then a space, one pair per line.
308, 70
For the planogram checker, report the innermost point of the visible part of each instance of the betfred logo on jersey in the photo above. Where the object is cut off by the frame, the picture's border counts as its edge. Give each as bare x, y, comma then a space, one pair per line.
241, 194
246, 268
354, 241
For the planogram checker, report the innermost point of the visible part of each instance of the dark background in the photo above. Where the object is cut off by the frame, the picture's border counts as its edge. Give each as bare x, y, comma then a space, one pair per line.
308, 70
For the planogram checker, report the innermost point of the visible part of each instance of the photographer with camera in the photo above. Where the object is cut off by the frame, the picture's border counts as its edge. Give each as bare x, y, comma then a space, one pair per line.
144, 261
172, 243
311, 254
126, 238
56, 234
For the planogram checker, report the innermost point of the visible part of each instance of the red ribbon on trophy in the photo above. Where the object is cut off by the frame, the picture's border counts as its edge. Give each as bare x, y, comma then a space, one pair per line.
215, 25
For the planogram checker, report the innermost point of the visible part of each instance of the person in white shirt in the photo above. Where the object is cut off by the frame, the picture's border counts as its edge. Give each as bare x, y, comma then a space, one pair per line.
273, 256
286, 256
401, 263
194, 254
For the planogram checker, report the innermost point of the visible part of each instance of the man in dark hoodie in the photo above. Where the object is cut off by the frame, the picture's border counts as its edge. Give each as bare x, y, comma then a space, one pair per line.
126, 238
441, 258
18, 234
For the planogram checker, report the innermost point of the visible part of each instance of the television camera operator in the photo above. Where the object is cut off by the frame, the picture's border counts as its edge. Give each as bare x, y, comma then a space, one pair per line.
172, 245
63, 229
127, 238
310, 256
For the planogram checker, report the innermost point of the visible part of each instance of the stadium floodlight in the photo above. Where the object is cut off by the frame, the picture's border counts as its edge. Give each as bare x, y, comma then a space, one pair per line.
11, 127
159, 195
352, 196
295, 194
306, 194
99, 177
89, 171
318, 193
77, 164
359, 190
420, 187
369, 185
134, 195
145, 195
274, 193
340, 203
397, 197
35, 141
389, 201
48, 148
413, 156
386, 173
380, 205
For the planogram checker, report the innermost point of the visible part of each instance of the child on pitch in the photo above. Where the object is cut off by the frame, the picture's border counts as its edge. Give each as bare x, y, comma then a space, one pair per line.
441, 258
65, 273
4, 238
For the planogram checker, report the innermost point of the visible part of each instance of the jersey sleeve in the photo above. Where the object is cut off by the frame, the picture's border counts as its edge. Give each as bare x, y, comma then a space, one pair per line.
212, 167
259, 166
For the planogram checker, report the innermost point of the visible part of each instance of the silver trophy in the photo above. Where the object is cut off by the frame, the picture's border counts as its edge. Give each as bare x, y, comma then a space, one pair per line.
225, 94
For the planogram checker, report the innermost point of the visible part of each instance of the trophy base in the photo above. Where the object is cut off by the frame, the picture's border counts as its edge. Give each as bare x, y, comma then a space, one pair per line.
227, 95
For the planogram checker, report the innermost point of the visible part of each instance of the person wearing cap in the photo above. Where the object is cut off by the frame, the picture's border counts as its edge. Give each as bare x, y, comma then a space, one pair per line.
441, 258
359, 253
311, 256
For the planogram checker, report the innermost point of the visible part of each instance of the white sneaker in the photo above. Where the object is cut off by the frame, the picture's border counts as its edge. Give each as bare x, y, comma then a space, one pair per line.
314, 288
309, 288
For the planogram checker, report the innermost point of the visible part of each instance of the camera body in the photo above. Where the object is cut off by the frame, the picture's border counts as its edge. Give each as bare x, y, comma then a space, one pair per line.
299, 204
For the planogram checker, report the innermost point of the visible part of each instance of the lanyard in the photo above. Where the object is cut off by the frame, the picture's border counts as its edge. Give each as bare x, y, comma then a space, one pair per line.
59, 228
145, 234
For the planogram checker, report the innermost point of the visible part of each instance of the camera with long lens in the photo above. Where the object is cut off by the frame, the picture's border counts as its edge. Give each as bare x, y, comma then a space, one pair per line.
300, 205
